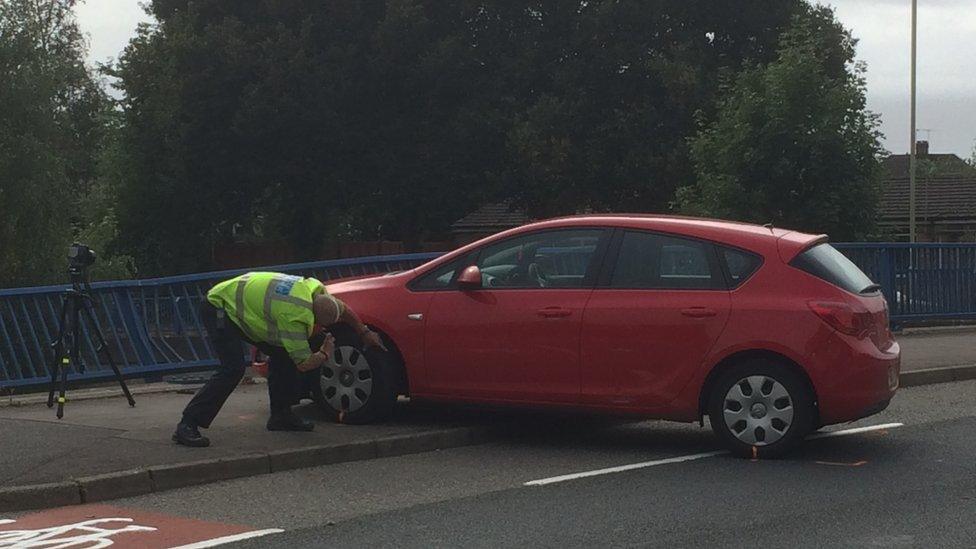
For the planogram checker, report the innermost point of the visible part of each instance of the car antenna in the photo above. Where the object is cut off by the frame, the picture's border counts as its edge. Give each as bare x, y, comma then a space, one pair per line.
769, 226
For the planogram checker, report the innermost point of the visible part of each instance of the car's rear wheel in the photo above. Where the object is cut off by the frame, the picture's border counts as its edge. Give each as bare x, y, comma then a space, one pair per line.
761, 408
357, 384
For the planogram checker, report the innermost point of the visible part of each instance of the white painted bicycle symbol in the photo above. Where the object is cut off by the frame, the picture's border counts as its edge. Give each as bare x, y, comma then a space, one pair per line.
89, 534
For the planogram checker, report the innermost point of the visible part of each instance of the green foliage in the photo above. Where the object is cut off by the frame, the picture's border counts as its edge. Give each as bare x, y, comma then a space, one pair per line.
792, 142
48, 128
258, 119
608, 92
304, 120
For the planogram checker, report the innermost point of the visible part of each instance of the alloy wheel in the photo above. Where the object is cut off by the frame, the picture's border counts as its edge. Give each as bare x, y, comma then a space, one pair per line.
347, 380
758, 410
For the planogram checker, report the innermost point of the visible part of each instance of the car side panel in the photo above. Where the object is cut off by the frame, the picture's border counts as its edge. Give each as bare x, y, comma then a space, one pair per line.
388, 308
638, 347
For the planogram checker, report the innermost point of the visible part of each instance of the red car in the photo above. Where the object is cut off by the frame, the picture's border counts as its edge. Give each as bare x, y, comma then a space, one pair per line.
771, 333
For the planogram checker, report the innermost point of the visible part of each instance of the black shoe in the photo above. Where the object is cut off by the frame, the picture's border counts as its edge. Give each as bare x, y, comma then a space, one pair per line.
188, 435
289, 422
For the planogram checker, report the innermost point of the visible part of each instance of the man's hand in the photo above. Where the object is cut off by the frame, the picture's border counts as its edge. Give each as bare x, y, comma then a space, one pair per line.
315, 361
372, 339
319, 357
328, 346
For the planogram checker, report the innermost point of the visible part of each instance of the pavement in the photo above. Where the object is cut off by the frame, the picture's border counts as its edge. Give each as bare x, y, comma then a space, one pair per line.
936, 348
104, 450
904, 478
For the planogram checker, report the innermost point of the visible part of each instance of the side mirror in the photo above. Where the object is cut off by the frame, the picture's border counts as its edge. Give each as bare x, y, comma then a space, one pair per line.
470, 278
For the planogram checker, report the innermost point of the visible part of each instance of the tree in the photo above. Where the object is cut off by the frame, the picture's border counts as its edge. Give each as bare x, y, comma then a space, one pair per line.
792, 142
298, 121
392, 118
49, 131
608, 92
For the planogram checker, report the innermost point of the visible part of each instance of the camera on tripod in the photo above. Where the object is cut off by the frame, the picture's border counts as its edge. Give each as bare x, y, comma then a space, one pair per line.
80, 258
76, 309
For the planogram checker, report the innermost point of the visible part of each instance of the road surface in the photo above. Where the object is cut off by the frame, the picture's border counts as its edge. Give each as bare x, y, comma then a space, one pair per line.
556, 486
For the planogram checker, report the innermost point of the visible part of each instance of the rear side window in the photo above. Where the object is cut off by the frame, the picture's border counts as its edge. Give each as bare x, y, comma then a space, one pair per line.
653, 261
740, 264
825, 262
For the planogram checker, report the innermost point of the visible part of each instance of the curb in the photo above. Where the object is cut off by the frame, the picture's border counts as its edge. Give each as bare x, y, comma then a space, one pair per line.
137, 482
922, 331
930, 376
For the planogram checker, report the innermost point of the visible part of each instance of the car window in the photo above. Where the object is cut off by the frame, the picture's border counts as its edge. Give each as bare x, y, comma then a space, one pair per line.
825, 262
439, 278
740, 265
551, 259
653, 261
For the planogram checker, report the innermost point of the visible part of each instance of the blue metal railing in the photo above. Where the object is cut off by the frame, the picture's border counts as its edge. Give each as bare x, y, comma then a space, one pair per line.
922, 282
151, 326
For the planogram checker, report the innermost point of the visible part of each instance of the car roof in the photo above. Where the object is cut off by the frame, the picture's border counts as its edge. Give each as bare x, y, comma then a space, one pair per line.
713, 229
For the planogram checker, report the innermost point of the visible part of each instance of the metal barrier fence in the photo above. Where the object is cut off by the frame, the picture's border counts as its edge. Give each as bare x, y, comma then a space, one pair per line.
151, 326
922, 282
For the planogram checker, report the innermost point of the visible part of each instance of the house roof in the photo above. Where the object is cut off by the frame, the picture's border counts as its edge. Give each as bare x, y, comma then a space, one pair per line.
943, 197
491, 218
897, 165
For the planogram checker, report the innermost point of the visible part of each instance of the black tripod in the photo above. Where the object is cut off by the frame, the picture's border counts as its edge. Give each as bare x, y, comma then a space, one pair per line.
75, 307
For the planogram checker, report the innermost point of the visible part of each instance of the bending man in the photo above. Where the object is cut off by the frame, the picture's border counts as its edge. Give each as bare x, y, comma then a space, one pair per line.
276, 313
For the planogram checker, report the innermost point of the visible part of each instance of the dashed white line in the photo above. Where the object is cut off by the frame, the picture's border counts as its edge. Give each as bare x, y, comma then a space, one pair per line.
692, 457
230, 539
621, 468
855, 430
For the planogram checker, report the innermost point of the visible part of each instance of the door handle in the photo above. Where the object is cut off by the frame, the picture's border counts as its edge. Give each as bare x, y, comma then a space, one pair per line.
554, 312
699, 312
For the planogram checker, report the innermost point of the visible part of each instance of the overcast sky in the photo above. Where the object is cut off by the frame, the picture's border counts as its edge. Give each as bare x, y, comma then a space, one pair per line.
946, 59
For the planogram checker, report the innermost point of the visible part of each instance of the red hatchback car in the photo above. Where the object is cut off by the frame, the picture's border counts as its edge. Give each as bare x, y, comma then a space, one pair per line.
771, 333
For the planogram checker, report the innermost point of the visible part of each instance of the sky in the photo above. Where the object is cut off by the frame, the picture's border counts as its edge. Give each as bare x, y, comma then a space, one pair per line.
946, 80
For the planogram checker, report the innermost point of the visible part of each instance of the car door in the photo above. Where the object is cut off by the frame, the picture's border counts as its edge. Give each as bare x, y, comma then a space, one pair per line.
659, 306
517, 337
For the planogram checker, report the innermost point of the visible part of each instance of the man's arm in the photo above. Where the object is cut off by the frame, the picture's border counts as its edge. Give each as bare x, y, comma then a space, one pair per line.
349, 316
320, 357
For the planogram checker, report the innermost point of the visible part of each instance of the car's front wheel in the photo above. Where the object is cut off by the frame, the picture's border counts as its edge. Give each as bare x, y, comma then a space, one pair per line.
356, 385
760, 408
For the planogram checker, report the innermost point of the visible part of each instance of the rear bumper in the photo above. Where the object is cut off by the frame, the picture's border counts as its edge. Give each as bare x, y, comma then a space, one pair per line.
859, 381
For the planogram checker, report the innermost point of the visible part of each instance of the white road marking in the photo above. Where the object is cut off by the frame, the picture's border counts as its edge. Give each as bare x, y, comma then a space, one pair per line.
91, 534
855, 430
229, 539
692, 457
621, 468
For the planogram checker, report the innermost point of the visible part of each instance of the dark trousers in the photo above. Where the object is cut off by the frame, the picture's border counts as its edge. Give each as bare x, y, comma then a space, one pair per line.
227, 341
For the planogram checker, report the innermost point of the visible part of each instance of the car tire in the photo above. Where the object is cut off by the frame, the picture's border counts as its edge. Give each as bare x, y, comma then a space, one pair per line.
358, 385
761, 409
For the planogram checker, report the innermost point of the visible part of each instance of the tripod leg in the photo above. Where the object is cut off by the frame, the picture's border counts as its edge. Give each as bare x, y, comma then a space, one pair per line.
74, 356
59, 359
102, 347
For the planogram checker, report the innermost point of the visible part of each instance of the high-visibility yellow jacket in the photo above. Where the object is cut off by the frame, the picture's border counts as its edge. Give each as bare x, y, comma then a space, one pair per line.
272, 308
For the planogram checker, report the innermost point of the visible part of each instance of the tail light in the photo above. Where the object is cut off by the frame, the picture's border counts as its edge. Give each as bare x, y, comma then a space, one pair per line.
844, 318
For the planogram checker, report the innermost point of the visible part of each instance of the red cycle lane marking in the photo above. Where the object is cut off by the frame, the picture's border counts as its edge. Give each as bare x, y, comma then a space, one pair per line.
98, 526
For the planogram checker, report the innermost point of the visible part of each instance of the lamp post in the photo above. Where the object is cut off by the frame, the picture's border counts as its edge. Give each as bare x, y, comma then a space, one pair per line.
912, 151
